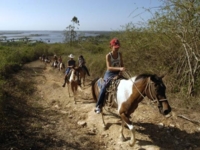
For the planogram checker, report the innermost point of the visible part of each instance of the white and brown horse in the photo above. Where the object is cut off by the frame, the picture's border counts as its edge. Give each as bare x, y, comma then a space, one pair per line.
61, 66
72, 82
130, 93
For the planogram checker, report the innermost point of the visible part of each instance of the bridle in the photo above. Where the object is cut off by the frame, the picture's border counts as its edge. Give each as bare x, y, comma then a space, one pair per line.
148, 87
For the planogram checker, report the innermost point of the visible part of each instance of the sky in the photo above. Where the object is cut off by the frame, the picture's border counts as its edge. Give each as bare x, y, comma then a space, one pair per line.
93, 15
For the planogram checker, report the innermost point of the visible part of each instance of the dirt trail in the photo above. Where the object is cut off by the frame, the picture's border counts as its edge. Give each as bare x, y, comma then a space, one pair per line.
56, 123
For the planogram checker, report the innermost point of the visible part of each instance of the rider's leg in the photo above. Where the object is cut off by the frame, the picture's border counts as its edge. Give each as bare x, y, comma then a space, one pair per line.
86, 69
67, 74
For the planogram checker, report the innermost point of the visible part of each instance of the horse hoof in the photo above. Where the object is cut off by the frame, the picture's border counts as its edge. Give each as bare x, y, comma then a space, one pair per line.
168, 115
122, 138
132, 143
105, 127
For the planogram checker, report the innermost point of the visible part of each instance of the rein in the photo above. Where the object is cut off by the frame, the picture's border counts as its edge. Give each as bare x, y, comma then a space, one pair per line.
148, 86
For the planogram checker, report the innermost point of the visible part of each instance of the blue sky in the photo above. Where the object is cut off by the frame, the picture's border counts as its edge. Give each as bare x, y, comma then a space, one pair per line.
94, 15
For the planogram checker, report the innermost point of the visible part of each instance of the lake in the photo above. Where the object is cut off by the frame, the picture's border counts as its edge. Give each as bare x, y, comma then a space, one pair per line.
44, 36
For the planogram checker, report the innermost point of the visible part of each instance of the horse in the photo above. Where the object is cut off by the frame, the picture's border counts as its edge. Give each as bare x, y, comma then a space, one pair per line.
46, 60
61, 66
73, 82
130, 92
40, 58
82, 75
55, 64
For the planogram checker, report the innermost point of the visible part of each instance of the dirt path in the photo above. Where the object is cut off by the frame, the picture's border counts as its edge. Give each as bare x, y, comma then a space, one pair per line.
50, 120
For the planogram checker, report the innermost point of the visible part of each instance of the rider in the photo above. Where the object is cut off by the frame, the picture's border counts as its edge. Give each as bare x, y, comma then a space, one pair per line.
70, 64
81, 63
114, 63
43, 57
60, 60
55, 60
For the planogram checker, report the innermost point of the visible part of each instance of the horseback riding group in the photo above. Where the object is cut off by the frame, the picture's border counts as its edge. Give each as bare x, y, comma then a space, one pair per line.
45, 59
118, 88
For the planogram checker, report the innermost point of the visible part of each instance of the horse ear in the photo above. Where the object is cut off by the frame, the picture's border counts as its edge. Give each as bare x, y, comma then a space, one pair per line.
156, 77
153, 77
162, 76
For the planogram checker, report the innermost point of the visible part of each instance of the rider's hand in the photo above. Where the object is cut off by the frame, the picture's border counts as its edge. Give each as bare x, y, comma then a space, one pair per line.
122, 69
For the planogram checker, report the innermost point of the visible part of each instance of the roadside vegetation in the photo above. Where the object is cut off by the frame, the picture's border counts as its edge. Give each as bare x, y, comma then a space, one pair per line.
167, 45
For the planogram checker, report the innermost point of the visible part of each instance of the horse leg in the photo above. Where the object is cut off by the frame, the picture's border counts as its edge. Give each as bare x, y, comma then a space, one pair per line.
104, 124
121, 131
66, 80
131, 128
68, 89
84, 81
73, 88
75, 91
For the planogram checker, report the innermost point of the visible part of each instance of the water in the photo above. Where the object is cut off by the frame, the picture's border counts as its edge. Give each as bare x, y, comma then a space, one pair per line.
44, 36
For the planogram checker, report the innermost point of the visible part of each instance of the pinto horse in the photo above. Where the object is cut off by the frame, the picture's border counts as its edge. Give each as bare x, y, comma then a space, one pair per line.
72, 82
61, 66
130, 93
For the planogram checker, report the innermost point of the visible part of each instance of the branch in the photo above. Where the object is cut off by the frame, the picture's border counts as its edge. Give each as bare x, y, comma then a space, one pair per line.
183, 117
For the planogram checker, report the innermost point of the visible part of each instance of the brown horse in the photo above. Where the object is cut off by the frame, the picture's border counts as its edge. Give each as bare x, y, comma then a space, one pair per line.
82, 75
130, 93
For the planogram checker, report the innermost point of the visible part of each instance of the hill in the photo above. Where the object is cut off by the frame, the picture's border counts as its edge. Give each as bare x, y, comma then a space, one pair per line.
41, 115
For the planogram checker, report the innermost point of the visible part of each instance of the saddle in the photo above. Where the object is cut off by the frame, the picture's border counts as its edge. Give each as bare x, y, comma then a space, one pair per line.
111, 90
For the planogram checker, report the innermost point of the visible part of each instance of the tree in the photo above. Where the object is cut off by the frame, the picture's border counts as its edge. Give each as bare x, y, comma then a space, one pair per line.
179, 20
71, 34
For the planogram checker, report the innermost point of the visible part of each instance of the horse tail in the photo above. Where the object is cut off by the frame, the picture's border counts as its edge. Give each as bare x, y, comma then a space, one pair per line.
93, 88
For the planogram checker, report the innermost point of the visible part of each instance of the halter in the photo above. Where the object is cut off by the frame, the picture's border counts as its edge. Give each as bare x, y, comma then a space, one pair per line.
148, 86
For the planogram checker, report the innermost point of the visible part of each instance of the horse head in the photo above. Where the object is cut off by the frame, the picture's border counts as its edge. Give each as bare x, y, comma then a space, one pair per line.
156, 90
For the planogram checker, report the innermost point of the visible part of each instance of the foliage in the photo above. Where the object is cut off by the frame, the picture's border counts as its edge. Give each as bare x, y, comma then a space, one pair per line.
71, 34
179, 21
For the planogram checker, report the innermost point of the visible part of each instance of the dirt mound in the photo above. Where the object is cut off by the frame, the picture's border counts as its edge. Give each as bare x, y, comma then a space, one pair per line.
45, 117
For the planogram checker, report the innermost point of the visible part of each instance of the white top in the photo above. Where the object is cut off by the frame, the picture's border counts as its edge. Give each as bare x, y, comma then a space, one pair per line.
115, 62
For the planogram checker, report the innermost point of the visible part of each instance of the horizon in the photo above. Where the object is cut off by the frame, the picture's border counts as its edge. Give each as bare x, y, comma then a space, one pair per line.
65, 30
44, 36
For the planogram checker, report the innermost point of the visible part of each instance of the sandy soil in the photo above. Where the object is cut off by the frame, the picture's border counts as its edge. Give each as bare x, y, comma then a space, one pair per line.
47, 118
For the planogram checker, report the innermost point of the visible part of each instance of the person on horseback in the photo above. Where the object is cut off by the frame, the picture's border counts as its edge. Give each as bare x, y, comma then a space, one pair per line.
60, 59
114, 63
70, 64
81, 63
55, 61
43, 57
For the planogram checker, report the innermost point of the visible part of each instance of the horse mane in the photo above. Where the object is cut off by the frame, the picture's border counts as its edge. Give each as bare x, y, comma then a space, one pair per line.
143, 76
